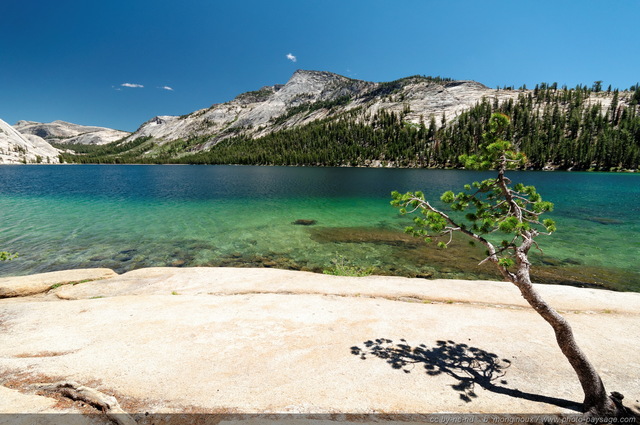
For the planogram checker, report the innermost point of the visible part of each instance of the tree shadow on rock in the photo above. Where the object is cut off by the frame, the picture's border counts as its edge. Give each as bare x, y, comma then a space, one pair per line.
470, 366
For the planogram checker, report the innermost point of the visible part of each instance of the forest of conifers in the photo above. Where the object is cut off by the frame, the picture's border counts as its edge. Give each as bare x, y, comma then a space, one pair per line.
555, 128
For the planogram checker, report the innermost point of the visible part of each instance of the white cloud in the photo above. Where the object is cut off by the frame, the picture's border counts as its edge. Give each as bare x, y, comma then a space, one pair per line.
166, 88
292, 58
132, 85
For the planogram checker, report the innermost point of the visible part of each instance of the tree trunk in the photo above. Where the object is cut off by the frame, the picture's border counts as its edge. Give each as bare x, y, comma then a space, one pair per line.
596, 399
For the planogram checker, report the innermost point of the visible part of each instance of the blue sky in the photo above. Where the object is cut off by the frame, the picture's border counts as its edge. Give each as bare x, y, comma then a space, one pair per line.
84, 61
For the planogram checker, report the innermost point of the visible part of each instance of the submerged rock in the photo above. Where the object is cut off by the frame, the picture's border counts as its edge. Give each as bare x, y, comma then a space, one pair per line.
304, 222
410, 256
268, 260
373, 235
605, 220
572, 261
550, 261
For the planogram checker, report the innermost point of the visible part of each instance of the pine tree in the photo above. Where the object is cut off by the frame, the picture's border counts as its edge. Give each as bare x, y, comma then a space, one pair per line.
497, 206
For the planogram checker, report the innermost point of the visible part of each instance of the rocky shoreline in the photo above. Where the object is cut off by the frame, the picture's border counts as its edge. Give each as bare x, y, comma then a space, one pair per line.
226, 340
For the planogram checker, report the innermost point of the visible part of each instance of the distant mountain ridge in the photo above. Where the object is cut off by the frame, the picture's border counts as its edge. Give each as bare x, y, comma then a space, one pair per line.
274, 108
68, 133
30, 142
322, 118
16, 148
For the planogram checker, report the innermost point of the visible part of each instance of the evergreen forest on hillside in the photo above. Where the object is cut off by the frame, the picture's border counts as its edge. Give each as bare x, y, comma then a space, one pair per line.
554, 127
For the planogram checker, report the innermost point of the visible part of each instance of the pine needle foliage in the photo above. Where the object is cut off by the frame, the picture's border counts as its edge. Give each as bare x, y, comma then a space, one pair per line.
491, 207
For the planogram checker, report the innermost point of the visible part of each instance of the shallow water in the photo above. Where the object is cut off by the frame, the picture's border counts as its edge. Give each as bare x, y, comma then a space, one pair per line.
131, 216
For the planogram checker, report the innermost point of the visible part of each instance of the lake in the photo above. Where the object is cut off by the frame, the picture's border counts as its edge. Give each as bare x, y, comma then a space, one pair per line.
130, 216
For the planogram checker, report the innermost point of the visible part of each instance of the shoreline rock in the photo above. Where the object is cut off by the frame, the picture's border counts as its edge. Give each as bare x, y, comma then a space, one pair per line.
20, 286
201, 340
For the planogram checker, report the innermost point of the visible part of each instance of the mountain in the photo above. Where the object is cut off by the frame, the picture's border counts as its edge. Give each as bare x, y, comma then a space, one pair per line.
62, 132
16, 148
278, 107
321, 118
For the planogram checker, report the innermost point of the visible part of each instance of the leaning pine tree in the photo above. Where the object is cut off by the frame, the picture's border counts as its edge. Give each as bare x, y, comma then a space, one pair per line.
494, 206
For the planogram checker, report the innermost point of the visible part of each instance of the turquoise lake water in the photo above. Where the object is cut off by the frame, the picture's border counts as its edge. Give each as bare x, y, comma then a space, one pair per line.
131, 216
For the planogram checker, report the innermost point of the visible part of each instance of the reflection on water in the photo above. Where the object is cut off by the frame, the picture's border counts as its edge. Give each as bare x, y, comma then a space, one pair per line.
127, 217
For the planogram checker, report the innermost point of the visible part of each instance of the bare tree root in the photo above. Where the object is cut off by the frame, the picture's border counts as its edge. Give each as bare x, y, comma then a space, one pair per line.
106, 403
622, 411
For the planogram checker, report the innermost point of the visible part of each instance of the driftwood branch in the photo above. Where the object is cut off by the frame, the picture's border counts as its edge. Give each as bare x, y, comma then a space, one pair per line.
106, 403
